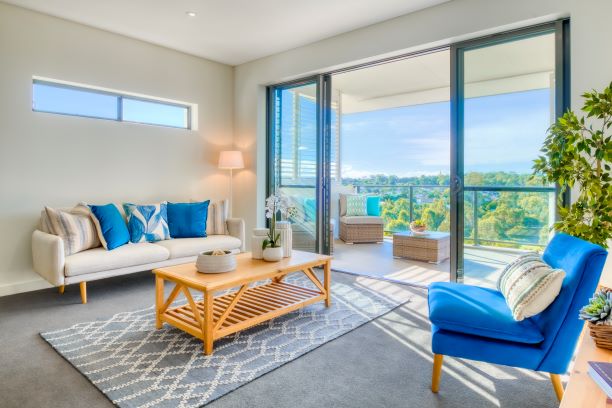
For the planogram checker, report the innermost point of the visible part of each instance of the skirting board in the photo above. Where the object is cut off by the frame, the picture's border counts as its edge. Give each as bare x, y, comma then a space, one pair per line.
24, 286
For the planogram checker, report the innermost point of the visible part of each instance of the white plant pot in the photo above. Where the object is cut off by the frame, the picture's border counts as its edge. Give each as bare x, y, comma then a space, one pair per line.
207, 263
273, 254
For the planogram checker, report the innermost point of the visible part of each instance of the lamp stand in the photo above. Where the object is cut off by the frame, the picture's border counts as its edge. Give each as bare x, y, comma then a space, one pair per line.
231, 199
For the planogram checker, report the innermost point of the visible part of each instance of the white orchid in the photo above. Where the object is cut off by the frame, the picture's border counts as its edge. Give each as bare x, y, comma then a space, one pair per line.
277, 204
273, 204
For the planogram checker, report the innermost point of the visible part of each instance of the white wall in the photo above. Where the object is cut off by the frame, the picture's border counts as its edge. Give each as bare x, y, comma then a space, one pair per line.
59, 160
591, 61
56, 160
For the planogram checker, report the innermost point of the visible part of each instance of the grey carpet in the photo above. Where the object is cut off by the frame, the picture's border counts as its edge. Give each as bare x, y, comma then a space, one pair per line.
136, 365
384, 363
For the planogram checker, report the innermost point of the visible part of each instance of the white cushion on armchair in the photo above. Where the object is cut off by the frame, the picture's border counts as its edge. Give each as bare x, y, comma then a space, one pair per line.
362, 219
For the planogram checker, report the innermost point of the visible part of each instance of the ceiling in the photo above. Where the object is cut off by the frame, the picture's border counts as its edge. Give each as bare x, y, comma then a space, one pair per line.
507, 67
229, 31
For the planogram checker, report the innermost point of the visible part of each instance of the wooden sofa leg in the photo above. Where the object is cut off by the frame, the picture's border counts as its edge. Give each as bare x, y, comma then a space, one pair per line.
60, 289
556, 382
437, 372
83, 287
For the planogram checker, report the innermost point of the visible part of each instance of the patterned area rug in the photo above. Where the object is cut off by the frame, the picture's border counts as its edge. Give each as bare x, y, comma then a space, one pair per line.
135, 365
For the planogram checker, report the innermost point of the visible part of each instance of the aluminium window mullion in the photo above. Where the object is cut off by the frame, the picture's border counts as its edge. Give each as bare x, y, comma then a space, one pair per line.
120, 108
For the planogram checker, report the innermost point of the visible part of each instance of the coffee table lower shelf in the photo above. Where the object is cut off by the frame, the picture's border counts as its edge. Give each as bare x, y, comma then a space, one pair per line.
253, 306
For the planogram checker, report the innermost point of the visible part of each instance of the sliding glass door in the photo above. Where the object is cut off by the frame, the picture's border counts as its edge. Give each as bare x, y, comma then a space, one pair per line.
505, 98
296, 166
505, 91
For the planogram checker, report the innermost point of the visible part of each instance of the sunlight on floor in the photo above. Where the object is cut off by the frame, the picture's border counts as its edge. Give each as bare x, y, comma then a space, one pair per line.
482, 265
477, 383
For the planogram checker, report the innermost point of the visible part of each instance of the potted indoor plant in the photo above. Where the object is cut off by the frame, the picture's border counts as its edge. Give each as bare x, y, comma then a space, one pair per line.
275, 205
598, 314
577, 153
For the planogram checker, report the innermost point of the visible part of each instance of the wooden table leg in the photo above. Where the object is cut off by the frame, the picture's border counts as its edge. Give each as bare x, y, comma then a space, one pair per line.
327, 282
279, 279
208, 323
159, 300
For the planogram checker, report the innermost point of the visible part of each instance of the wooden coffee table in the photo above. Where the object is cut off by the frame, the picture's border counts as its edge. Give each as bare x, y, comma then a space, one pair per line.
218, 316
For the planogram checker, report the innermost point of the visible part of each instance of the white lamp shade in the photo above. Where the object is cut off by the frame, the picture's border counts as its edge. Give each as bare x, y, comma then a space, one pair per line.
231, 159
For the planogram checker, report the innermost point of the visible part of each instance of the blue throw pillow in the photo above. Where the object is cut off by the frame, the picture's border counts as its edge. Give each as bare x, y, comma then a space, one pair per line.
111, 227
374, 206
188, 220
148, 222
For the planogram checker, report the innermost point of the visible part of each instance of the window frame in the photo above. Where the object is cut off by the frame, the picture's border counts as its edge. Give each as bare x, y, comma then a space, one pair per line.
191, 108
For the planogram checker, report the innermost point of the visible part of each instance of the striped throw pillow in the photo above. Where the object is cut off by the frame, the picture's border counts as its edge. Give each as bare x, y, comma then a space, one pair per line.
75, 227
529, 285
44, 224
216, 224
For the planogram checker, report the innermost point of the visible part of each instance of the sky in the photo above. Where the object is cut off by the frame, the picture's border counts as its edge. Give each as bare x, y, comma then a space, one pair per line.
502, 133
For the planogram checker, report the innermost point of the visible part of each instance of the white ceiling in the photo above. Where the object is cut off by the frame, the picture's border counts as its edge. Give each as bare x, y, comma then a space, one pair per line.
508, 67
228, 31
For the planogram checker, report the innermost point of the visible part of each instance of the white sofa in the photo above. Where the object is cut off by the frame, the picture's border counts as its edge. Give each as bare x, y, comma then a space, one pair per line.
98, 263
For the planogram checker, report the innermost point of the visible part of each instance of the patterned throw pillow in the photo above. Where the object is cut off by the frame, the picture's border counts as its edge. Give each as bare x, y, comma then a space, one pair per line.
356, 205
74, 227
529, 285
148, 222
217, 218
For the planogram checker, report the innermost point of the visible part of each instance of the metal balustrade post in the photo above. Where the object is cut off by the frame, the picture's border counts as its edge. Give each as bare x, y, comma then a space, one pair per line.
411, 197
552, 213
475, 215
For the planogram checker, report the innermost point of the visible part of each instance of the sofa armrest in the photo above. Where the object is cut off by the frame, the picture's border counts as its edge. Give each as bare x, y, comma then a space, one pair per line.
235, 228
48, 257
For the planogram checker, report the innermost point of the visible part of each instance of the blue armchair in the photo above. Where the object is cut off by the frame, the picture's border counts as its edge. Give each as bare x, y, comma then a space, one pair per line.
475, 323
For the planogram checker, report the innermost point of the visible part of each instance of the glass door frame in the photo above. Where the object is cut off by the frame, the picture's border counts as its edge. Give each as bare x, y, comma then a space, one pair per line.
323, 143
561, 29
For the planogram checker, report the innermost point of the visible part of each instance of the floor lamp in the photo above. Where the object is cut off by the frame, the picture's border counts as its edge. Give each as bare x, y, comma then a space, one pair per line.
231, 160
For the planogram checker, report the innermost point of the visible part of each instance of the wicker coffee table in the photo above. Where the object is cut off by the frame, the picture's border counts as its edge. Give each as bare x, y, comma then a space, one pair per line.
433, 247
218, 316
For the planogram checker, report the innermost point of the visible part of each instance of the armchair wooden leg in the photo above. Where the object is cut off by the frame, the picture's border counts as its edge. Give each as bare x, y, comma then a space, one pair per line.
556, 382
83, 287
437, 372
60, 289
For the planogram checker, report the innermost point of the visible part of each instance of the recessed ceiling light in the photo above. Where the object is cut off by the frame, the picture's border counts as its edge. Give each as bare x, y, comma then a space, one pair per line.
191, 13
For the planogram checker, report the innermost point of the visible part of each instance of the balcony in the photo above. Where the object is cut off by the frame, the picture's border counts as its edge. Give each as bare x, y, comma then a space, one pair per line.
500, 222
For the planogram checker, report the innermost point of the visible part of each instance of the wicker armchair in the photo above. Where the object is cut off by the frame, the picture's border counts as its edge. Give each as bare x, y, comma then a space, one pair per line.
359, 229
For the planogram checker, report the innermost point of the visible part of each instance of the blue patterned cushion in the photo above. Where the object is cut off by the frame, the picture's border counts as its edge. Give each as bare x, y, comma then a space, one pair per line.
147, 223
356, 205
